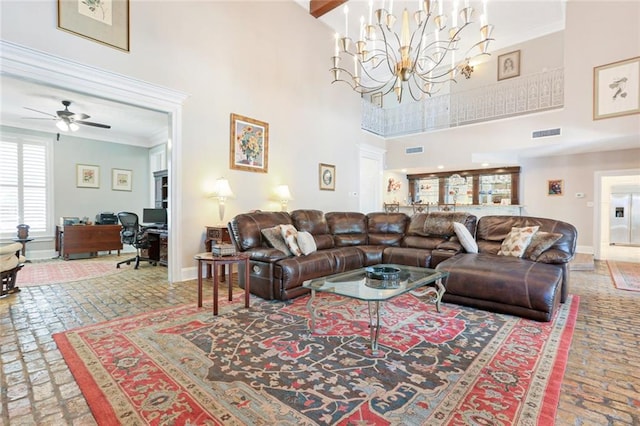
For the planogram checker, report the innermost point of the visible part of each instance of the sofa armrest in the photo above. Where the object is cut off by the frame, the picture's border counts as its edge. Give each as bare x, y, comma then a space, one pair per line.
12, 248
269, 255
554, 256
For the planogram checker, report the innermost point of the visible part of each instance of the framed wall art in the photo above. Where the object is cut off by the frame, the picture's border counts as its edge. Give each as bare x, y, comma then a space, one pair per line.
555, 187
509, 65
87, 176
327, 177
121, 179
616, 89
249, 141
104, 21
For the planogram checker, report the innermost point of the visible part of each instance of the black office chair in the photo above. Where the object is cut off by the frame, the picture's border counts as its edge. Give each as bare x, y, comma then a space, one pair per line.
133, 234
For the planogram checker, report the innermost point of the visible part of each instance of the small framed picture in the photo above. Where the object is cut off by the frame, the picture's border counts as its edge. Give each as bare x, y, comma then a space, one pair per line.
121, 179
327, 177
104, 21
555, 187
376, 99
509, 65
249, 144
616, 89
87, 176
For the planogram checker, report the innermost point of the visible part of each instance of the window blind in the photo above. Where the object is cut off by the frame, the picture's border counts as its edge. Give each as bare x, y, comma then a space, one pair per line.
24, 186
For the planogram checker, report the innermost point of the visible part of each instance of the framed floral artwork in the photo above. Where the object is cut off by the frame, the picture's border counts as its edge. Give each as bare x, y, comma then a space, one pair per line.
555, 187
87, 176
249, 144
121, 179
104, 21
327, 177
616, 89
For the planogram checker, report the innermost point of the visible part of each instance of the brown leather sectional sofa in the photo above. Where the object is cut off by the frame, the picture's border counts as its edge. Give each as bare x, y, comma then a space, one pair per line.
530, 289
350, 240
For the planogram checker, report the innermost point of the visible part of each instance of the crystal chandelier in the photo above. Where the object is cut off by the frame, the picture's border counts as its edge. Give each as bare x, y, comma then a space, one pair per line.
419, 61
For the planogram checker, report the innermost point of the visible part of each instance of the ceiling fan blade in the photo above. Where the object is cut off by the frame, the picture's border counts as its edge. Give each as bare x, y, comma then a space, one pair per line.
80, 116
41, 112
89, 123
37, 118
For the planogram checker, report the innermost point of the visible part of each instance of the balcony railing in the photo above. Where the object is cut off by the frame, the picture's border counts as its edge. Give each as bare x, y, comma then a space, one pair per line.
519, 96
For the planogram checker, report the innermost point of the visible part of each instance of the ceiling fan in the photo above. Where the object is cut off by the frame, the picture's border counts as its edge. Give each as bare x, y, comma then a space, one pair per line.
67, 120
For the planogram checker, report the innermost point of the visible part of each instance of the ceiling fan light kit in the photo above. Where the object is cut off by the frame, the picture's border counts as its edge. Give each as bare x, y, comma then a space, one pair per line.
419, 61
67, 120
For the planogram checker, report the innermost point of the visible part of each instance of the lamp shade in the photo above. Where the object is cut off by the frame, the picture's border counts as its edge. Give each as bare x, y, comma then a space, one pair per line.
283, 193
222, 189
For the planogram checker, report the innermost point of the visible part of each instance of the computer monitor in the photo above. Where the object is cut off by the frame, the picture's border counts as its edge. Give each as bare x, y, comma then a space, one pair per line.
154, 216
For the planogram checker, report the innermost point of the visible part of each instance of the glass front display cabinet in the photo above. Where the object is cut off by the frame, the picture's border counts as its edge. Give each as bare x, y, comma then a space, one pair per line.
467, 187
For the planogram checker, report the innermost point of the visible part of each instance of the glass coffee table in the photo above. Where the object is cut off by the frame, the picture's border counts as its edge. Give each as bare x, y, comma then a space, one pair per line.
376, 284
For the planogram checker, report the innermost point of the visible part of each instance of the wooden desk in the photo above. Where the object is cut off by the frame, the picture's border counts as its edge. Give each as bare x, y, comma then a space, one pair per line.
210, 260
158, 245
218, 234
73, 239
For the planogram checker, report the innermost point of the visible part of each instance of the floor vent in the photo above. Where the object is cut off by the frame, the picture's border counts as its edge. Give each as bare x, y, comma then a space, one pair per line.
414, 150
545, 133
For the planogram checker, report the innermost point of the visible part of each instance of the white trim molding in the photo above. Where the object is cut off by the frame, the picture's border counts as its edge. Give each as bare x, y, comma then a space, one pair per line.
24, 63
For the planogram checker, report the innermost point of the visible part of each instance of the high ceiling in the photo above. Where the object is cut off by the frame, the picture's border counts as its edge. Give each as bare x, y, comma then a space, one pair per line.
514, 21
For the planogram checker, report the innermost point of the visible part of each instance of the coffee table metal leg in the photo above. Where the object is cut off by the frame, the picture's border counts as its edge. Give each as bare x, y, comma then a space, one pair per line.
436, 293
374, 325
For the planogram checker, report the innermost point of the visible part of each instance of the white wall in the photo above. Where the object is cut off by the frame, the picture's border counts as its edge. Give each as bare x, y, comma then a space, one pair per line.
596, 33
249, 58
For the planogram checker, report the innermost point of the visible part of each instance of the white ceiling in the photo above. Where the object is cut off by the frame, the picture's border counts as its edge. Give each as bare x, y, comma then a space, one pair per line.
129, 125
514, 21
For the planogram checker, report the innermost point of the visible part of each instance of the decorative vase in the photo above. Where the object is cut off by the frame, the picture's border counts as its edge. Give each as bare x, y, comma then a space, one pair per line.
23, 231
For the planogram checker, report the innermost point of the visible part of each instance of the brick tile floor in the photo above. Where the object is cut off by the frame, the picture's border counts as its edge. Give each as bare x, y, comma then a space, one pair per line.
601, 384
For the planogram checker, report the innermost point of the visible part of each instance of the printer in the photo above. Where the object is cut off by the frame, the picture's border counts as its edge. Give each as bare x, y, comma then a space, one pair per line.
106, 218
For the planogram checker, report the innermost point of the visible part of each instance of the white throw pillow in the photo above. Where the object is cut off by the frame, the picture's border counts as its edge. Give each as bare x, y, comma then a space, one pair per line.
517, 241
306, 242
465, 237
290, 235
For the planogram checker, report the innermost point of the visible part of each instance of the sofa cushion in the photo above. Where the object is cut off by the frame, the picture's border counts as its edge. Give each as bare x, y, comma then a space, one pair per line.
540, 242
314, 222
386, 228
274, 237
517, 241
290, 235
348, 228
306, 242
246, 228
465, 237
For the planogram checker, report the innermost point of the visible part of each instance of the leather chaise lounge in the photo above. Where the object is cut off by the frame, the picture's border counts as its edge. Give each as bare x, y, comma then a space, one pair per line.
350, 240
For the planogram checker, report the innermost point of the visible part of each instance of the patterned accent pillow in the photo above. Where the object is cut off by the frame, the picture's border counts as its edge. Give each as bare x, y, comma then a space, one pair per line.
465, 237
306, 242
517, 241
290, 235
540, 242
275, 239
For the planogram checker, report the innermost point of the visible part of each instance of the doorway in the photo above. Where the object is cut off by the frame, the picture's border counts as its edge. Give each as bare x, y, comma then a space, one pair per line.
606, 184
24, 63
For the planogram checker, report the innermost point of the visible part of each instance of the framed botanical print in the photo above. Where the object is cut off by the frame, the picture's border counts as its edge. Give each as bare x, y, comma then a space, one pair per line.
104, 21
616, 89
121, 179
327, 177
87, 176
249, 150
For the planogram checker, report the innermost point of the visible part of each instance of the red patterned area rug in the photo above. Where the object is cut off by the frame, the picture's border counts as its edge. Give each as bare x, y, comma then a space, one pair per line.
62, 271
625, 275
263, 366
